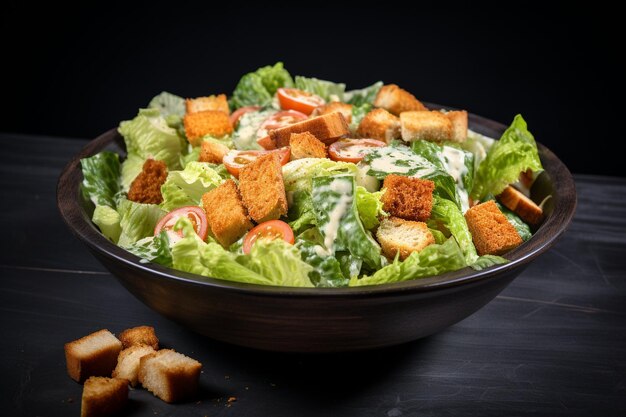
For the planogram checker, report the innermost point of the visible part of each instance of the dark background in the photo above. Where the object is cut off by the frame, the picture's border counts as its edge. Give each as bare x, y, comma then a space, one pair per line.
76, 72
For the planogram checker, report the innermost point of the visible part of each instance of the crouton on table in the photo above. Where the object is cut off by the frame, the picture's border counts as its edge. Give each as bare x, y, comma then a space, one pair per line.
140, 335
92, 355
397, 100
169, 375
379, 124
491, 231
401, 236
408, 197
103, 396
226, 214
128, 362
305, 145
262, 188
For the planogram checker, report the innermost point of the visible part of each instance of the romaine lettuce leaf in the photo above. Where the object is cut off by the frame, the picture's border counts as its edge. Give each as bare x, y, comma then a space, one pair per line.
137, 221
447, 213
486, 261
101, 178
369, 206
362, 96
514, 153
153, 249
435, 259
358, 113
327, 90
327, 271
301, 215
131, 167
297, 174
338, 220
257, 88
108, 220
168, 104
186, 187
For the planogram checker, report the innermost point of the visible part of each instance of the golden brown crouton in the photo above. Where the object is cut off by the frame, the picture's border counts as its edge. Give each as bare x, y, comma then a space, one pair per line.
212, 152
458, 118
217, 103
262, 188
140, 335
523, 206
128, 362
103, 397
92, 355
403, 236
491, 231
169, 375
226, 214
343, 108
396, 100
208, 122
146, 187
379, 124
328, 126
305, 145
425, 125
407, 197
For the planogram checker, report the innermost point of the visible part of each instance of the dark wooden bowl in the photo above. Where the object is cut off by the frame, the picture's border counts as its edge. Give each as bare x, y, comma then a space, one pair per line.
317, 320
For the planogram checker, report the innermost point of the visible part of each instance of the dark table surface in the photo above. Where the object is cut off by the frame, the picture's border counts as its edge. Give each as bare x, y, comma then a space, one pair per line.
553, 343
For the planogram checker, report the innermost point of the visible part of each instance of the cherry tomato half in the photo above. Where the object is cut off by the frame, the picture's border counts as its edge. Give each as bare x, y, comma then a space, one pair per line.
193, 213
276, 121
352, 150
234, 118
302, 101
272, 229
234, 160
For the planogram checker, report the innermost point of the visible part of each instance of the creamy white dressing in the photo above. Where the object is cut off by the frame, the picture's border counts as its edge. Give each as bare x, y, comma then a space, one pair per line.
455, 162
355, 151
331, 229
385, 164
368, 182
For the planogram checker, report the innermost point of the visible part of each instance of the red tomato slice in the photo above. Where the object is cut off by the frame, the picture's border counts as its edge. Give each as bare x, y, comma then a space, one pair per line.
234, 118
235, 160
194, 213
275, 121
294, 99
272, 229
352, 150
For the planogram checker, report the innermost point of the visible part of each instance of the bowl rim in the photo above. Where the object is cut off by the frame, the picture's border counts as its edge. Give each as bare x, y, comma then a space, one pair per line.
546, 235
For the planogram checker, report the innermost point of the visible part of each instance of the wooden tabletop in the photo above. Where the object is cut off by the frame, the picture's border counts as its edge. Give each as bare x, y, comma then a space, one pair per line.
553, 343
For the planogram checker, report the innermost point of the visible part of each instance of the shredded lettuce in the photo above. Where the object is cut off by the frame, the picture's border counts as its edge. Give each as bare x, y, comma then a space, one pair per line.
327, 90
362, 96
168, 104
514, 153
435, 259
370, 207
186, 187
257, 88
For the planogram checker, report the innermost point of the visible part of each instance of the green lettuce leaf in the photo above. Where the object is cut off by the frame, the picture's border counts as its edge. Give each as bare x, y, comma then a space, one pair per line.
131, 167
327, 270
301, 215
186, 187
448, 214
137, 221
108, 220
269, 263
153, 249
327, 90
522, 228
370, 207
338, 219
297, 174
365, 95
257, 88
486, 261
478, 145
101, 178
168, 104
514, 153
435, 259
358, 113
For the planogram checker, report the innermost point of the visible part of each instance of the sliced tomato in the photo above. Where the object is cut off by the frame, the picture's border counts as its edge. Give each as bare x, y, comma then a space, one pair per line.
235, 160
302, 101
272, 229
193, 213
352, 150
236, 115
276, 121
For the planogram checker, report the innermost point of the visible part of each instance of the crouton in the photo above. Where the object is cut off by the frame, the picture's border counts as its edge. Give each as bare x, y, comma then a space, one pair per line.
262, 188
327, 127
491, 231
344, 108
169, 375
140, 335
207, 122
226, 214
396, 235
92, 355
407, 197
425, 125
128, 362
217, 103
458, 118
523, 206
212, 152
379, 124
305, 145
396, 100
103, 396
146, 187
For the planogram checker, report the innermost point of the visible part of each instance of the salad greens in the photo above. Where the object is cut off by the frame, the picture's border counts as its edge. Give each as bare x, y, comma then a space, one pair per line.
335, 207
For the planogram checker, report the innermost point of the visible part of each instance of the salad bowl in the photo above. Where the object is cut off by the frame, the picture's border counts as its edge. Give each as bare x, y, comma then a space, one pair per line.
317, 319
